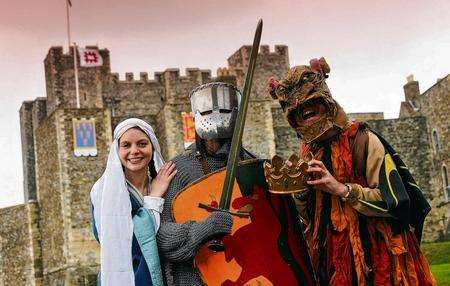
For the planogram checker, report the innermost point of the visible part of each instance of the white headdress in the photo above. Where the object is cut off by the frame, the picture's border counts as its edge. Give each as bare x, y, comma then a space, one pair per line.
112, 210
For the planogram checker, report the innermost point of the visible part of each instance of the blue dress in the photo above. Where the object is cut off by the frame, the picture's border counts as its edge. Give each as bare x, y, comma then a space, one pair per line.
141, 273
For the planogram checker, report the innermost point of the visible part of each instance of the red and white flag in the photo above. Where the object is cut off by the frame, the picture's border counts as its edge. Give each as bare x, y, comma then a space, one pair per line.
90, 58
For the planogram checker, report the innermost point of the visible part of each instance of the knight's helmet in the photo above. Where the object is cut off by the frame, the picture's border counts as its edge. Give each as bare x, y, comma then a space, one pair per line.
215, 107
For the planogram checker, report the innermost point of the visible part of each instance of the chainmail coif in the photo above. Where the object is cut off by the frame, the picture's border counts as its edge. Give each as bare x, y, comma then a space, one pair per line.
178, 243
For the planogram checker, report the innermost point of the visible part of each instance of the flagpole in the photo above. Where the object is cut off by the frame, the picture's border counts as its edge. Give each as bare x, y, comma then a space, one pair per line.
76, 73
68, 23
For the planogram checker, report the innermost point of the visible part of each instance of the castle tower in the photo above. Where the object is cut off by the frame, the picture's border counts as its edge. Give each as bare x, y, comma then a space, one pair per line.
60, 80
411, 106
63, 183
260, 134
31, 113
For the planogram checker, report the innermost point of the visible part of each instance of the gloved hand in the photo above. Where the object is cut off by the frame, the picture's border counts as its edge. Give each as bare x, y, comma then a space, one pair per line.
221, 222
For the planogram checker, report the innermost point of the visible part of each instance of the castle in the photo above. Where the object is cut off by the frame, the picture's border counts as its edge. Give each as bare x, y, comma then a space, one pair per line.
48, 240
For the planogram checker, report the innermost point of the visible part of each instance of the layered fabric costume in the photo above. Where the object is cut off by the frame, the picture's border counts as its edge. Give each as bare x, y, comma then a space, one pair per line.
371, 235
124, 222
376, 248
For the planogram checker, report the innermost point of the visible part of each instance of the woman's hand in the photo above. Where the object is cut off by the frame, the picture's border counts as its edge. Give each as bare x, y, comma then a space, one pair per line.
161, 182
326, 182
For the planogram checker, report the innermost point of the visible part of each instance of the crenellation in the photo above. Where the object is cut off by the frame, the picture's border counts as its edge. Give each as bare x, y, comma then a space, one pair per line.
282, 50
54, 52
264, 49
114, 77
223, 71
225, 75
159, 77
129, 76
205, 75
171, 75
240, 58
143, 76
198, 75
129, 80
193, 74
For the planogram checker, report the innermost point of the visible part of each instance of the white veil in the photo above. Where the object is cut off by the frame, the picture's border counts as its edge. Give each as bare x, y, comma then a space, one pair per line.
112, 210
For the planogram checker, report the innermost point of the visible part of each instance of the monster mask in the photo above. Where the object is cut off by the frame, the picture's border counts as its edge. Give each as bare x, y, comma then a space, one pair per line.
306, 100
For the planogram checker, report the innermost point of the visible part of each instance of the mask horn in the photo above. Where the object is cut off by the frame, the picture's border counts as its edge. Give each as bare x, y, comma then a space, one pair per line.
272, 85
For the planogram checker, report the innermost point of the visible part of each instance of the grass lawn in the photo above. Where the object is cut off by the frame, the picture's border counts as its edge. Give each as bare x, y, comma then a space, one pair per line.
442, 273
438, 255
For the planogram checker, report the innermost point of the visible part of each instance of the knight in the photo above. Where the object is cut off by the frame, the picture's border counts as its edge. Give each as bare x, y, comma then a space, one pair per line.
363, 210
215, 108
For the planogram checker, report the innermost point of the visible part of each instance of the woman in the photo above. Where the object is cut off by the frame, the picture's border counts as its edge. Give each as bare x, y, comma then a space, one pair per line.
127, 202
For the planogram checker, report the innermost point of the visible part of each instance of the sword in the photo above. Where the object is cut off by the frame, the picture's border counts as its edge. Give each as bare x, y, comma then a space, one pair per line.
236, 142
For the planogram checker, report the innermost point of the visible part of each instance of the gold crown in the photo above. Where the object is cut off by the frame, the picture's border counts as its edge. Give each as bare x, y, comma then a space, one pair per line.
287, 177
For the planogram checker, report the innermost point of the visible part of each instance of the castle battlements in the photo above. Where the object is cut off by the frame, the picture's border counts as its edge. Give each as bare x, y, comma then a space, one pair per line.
171, 75
241, 57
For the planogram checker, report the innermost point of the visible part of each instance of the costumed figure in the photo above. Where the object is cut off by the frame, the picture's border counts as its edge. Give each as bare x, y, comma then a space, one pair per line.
214, 106
127, 202
364, 212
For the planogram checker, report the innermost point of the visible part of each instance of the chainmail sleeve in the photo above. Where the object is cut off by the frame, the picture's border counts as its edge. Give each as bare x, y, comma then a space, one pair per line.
179, 242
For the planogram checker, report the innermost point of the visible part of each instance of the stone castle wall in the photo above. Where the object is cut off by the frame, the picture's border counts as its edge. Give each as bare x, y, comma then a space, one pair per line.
409, 139
286, 141
365, 116
435, 105
20, 260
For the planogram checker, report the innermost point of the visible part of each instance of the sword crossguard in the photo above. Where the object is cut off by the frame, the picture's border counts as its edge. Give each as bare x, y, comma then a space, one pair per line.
210, 208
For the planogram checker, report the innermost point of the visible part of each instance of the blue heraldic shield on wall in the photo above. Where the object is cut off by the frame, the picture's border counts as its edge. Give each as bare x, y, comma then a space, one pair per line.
84, 137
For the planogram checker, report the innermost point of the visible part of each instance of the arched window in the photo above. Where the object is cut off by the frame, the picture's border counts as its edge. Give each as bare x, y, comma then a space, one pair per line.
445, 183
436, 142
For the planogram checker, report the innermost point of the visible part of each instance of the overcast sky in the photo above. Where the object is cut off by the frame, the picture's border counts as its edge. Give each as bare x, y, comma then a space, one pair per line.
371, 47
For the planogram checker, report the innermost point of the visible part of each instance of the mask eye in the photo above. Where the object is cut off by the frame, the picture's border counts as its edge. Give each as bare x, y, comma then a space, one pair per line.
307, 77
281, 89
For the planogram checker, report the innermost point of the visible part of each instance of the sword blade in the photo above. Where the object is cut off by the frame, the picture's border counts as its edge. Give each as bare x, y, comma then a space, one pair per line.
236, 142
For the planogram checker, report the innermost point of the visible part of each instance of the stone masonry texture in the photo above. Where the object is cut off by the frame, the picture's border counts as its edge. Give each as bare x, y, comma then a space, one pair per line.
48, 240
